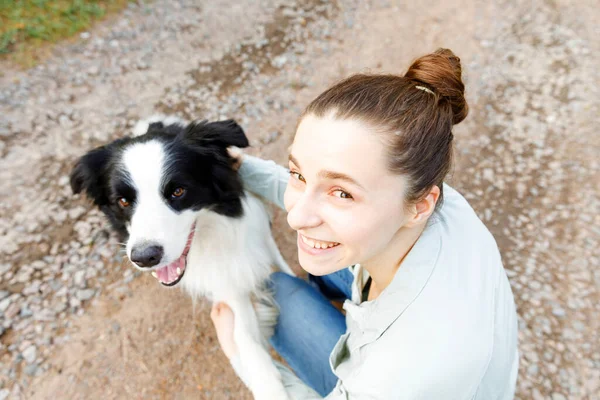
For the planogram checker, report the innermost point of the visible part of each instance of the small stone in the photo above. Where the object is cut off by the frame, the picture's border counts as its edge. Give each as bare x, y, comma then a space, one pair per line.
79, 278
65, 121
279, 61
31, 369
76, 212
93, 70
532, 369
85, 294
60, 307
558, 311
44, 315
29, 354
4, 268
558, 396
12, 311
4, 304
25, 312
64, 180
85, 35
74, 302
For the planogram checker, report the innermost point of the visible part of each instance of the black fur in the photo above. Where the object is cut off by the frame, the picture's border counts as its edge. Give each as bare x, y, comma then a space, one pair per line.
196, 159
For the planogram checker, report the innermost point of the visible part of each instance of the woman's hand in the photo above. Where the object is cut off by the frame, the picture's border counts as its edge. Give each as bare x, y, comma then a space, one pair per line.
223, 319
237, 154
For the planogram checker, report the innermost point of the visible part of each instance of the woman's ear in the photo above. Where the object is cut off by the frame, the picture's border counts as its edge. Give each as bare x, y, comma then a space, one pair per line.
422, 210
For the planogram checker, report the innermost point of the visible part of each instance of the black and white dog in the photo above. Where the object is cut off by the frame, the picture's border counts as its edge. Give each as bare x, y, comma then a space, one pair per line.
170, 191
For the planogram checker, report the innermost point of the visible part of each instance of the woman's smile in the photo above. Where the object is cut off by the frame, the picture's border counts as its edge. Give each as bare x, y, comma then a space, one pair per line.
316, 247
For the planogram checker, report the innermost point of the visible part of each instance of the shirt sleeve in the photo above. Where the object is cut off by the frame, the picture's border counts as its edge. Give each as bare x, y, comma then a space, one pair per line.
264, 178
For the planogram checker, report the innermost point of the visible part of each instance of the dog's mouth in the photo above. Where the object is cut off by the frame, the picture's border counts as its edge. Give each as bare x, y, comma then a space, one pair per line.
171, 274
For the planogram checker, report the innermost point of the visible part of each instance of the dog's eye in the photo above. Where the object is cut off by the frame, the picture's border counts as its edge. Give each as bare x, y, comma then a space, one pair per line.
178, 192
123, 202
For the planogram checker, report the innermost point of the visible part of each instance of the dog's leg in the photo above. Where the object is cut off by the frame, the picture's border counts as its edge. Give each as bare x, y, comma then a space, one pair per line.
259, 372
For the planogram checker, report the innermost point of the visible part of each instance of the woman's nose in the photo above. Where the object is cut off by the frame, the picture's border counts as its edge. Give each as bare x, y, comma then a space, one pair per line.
304, 213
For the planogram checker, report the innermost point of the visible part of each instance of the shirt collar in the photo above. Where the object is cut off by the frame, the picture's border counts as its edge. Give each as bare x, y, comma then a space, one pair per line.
374, 317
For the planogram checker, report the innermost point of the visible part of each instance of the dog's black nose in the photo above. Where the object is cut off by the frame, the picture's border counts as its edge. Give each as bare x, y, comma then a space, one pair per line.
147, 256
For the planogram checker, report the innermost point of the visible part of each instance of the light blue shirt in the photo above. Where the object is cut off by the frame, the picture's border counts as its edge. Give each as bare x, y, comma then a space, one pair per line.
445, 327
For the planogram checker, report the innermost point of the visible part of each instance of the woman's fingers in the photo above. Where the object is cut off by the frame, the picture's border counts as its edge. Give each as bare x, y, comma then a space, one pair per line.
223, 319
237, 154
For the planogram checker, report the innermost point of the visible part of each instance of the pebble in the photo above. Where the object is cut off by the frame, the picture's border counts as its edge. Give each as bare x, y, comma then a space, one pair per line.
79, 278
85, 294
30, 354
4, 304
31, 369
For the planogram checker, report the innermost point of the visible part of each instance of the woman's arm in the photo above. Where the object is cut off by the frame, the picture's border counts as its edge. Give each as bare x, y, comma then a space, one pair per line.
264, 178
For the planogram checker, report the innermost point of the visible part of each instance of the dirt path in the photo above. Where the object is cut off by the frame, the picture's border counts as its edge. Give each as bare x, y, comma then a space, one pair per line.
526, 159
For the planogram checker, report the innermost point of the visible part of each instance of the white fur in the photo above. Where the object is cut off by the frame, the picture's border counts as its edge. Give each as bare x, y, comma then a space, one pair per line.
153, 221
229, 260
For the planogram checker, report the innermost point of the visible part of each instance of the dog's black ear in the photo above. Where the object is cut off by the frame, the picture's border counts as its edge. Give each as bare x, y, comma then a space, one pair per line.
221, 133
89, 175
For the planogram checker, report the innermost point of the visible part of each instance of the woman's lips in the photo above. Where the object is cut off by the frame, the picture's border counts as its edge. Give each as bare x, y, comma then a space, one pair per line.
316, 247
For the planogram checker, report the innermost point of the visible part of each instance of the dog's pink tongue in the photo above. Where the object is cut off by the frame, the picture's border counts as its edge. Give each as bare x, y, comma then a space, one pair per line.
163, 273
168, 273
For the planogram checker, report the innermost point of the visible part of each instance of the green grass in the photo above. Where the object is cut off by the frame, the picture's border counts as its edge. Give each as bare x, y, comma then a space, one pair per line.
29, 27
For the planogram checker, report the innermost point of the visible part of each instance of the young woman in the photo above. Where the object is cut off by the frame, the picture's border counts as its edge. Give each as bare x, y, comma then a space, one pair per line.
429, 312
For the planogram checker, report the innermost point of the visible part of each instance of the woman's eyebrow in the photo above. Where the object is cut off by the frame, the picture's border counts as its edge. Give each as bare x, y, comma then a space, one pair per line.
331, 174
293, 159
340, 176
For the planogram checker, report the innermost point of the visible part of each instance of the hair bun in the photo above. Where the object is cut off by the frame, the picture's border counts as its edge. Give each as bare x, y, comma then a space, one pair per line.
441, 71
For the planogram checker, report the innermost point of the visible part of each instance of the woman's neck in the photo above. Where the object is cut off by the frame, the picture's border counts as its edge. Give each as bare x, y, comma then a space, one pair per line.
383, 268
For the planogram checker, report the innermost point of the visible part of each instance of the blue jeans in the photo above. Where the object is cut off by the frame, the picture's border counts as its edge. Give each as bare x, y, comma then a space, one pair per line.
309, 326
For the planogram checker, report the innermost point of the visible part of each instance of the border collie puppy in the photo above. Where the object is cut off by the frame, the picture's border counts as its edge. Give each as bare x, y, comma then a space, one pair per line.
171, 192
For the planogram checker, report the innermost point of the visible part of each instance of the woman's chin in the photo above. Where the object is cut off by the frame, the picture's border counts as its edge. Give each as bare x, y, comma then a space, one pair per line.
318, 269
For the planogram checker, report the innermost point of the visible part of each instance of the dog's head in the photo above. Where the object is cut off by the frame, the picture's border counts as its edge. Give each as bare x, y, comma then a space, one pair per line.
152, 186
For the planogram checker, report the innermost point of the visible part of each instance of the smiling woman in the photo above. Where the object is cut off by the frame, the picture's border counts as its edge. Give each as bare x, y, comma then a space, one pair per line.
336, 199
429, 310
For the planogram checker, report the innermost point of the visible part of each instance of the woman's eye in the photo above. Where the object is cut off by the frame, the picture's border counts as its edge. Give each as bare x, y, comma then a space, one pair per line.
341, 194
298, 176
178, 192
123, 202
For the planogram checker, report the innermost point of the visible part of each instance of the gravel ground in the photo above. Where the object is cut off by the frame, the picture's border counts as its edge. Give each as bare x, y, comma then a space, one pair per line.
77, 322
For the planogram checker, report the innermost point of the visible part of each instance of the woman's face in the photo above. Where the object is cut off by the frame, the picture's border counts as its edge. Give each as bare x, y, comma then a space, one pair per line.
341, 199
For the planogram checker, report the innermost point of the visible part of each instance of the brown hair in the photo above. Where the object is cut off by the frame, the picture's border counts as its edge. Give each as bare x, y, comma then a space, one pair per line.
415, 111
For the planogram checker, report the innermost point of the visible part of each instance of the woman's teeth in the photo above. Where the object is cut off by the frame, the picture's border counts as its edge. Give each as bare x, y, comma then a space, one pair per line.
315, 244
